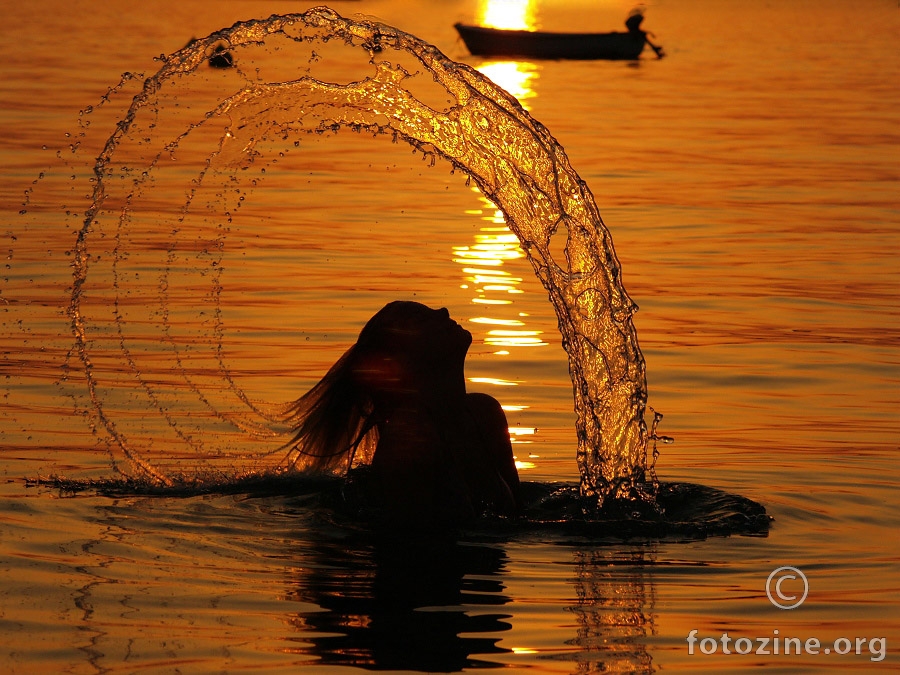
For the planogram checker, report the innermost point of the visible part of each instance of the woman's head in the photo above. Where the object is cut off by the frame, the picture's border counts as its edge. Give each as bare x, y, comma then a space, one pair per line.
406, 349
405, 324
406, 341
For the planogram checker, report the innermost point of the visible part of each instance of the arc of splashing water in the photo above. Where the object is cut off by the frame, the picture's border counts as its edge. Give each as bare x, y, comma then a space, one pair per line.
515, 162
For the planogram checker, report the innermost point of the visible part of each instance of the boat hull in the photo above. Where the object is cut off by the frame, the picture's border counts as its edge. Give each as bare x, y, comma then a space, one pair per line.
542, 45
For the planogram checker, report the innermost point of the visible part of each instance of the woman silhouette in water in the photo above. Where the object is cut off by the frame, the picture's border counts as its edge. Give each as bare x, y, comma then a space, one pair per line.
397, 400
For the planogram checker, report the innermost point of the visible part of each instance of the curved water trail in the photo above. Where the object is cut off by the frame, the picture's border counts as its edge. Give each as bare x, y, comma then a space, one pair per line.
286, 84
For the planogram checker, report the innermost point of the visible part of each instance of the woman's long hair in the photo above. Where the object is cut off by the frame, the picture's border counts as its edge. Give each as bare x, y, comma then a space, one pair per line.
335, 422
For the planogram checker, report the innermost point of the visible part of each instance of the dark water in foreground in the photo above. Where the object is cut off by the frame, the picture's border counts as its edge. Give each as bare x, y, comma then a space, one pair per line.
749, 181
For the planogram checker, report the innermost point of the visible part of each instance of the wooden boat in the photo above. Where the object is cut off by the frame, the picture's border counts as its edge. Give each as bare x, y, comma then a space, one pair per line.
546, 45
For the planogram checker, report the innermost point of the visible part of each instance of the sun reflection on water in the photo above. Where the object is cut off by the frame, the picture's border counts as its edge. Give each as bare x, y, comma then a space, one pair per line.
493, 286
495, 290
508, 14
498, 321
516, 77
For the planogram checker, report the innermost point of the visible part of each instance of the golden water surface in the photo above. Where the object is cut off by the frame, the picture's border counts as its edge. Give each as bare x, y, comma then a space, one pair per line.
750, 182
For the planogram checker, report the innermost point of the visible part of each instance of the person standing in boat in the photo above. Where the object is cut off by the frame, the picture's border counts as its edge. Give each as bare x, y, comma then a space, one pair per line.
633, 24
397, 400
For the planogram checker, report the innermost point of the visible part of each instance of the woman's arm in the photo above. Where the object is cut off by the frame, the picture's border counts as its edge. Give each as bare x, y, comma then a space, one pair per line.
502, 483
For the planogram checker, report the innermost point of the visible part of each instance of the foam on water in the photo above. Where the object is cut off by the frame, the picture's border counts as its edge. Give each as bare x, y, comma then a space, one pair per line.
195, 143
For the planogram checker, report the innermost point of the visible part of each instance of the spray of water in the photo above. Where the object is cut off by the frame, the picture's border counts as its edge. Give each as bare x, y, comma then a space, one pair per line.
150, 291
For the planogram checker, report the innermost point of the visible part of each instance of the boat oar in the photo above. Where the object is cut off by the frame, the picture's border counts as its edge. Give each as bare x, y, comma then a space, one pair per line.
659, 50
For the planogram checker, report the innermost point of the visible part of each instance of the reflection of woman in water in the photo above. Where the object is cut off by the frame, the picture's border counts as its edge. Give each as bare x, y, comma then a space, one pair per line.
397, 399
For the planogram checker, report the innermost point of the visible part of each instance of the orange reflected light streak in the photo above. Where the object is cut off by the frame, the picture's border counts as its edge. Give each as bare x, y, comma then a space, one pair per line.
497, 322
513, 333
491, 275
486, 254
515, 432
506, 238
512, 338
498, 218
514, 342
493, 380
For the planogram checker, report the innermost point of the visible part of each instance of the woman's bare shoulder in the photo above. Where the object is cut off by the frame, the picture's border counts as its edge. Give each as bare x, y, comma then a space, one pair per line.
483, 401
486, 408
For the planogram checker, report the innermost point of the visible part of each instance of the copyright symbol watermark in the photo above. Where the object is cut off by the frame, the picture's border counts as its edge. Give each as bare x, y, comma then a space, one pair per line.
783, 585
